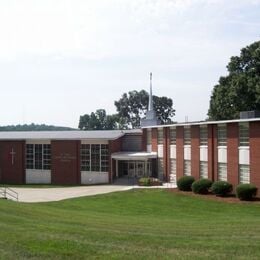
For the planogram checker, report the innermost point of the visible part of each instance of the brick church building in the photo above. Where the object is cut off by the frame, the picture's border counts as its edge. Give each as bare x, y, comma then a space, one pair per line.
218, 150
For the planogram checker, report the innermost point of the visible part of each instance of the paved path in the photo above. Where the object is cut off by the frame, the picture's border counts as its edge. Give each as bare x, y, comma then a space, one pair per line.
56, 194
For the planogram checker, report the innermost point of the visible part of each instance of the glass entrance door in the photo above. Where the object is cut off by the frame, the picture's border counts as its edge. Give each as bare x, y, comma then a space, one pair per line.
139, 169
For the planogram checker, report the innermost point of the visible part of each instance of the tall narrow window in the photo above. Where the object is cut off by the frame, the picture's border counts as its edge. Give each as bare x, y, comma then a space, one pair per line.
187, 136
149, 136
95, 157
187, 167
29, 156
85, 157
203, 135
160, 135
244, 173
173, 135
244, 134
204, 170
38, 156
222, 171
160, 169
104, 158
222, 135
46, 156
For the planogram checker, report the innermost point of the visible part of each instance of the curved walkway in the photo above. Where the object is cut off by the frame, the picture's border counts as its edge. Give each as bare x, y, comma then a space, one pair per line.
56, 194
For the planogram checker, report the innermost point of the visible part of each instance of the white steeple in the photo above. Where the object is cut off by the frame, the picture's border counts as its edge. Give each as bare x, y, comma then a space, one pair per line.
150, 118
150, 106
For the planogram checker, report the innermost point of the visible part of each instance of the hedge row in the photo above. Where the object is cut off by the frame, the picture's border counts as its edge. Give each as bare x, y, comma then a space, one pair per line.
219, 188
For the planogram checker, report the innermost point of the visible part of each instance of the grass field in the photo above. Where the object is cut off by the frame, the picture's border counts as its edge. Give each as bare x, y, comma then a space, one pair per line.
137, 224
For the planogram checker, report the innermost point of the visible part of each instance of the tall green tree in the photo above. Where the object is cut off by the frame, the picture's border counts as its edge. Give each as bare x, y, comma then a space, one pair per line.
132, 106
240, 89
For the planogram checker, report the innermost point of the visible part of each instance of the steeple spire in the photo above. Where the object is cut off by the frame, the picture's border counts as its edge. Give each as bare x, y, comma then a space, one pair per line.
150, 106
150, 118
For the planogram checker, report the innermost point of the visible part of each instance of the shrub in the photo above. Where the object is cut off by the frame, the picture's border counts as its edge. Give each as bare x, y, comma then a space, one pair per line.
185, 182
221, 188
149, 181
246, 191
201, 186
144, 181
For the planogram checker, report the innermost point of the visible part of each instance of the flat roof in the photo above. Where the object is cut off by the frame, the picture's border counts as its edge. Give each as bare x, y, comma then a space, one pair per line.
134, 156
66, 135
206, 122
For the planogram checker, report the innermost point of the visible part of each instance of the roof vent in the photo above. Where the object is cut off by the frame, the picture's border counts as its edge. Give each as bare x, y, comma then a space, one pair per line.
249, 114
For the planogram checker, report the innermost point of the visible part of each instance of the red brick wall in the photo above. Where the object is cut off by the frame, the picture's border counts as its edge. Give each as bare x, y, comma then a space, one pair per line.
179, 151
12, 173
232, 153
154, 140
113, 147
65, 167
166, 152
212, 152
195, 151
254, 143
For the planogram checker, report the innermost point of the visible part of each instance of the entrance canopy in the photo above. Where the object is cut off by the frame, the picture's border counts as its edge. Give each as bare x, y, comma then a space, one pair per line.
133, 156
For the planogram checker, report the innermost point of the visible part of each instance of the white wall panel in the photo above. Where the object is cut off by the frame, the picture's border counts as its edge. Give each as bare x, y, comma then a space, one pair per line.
244, 155
149, 148
160, 150
94, 177
38, 176
187, 152
222, 154
204, 153
173, 151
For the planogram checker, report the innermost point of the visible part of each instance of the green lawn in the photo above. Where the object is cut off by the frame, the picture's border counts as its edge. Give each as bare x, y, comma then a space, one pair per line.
137, 224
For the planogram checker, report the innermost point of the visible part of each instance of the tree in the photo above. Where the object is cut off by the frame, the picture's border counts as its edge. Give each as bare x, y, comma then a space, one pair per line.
132, 106
240, 89
99, 121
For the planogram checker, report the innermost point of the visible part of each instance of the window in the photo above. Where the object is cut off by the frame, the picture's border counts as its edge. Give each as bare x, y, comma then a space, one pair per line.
160, 135
222, 135
46, 156
85, 157
173, 171
244, 173
29, 156
187, 167
94, 157
38, 156
149, 136
222, 171
104, 158
204, 170
203, 135
187, 137
243, 134
160, 169
173, 135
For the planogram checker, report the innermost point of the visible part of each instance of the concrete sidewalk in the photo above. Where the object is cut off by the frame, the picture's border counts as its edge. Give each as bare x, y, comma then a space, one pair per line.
56, 194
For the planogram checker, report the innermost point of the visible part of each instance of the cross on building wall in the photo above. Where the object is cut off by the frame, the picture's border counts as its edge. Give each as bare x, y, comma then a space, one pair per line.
13, 153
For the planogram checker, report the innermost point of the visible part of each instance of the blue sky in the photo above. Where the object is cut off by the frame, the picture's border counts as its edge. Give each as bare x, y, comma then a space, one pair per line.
60, 59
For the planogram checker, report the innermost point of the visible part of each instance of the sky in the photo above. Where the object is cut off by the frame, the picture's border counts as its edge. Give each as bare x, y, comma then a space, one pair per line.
60, 59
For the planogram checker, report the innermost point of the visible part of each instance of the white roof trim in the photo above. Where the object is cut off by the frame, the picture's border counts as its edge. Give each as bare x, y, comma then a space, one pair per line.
128, 156
206, 123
